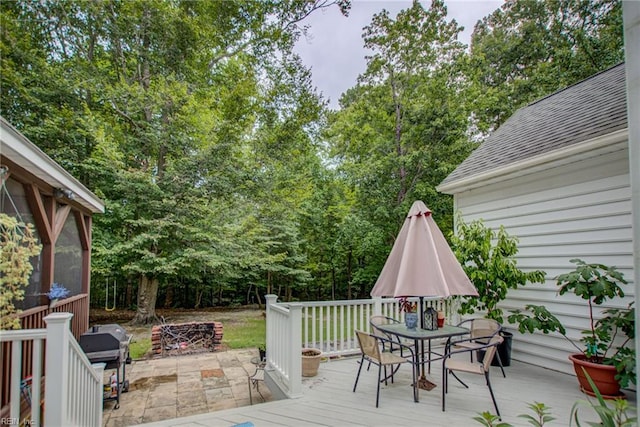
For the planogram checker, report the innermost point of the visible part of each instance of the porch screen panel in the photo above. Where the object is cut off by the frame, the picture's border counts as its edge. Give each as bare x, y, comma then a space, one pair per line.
13, 202
68, 257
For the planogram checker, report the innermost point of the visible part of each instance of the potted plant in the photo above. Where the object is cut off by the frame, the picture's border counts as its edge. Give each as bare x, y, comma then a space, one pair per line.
56, 293
488, 259
409, 309
608, 355
310, 361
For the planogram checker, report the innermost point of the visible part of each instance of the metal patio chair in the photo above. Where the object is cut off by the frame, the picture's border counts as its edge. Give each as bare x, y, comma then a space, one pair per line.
451, 366
371, 346
256, 378
376, 320
481, 330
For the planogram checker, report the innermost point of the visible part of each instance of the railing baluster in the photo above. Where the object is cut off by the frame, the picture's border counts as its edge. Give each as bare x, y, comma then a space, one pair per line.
16, 375
36, 374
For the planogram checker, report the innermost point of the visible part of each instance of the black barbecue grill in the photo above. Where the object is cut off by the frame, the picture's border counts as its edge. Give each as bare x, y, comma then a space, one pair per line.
109, 344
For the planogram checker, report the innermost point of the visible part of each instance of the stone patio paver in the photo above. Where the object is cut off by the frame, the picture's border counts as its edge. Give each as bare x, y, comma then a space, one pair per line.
161, 389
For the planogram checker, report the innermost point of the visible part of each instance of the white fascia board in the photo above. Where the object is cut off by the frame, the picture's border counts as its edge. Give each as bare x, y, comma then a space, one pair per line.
24, 153
611, 142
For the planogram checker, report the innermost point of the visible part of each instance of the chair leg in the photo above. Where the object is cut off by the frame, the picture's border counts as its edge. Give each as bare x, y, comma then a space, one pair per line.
500, 363
445, 374
415, 382
250, 397
495, 404
378, 390
459, 380
358, 376
259, 392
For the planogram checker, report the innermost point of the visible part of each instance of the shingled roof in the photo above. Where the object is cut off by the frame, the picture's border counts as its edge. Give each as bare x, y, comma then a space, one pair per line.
593, 107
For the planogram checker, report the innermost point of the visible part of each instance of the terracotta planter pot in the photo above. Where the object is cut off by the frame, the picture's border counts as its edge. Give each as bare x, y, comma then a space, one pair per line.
310, 361
603, 377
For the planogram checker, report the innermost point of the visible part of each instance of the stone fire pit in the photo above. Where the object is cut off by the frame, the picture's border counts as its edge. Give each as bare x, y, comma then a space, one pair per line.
186, 338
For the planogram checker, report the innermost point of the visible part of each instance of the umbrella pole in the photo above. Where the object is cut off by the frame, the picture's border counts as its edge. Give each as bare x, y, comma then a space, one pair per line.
423, 382
421, 314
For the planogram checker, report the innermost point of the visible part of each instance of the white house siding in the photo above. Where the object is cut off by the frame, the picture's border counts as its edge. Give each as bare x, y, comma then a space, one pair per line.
578, 210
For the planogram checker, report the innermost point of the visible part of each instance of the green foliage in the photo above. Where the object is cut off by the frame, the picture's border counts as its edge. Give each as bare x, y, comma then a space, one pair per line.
542, 414
616, 416
399, 132
139, 348
249, 334
595, 283
528, 49
224, 176
488, 258
19, 244
539, 419
488, 419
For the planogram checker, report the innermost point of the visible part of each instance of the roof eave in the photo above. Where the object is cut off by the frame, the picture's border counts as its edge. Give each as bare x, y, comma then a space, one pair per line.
613, 141
27, 155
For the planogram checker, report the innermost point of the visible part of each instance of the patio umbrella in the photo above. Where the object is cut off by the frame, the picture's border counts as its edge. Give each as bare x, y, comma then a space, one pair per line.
421, 264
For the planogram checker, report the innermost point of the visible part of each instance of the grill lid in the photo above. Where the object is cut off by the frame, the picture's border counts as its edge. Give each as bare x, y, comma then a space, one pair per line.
103, 338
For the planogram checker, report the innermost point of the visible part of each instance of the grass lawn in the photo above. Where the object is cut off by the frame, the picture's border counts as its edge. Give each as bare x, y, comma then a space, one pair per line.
242, 328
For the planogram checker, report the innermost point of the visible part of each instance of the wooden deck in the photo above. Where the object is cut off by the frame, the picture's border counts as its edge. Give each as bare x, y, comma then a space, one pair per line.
328, 400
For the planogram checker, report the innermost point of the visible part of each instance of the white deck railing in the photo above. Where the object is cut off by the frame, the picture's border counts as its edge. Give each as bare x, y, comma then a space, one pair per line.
328, 326
73, 387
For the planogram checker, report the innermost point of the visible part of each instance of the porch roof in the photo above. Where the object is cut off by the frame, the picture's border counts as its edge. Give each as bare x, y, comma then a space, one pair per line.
19, 150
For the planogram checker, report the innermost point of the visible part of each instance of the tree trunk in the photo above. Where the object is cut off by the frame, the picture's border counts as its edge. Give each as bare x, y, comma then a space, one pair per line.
402, 173
128, 294
147, 294
199, 294
258, 297
168, 300
349, 258
269, 290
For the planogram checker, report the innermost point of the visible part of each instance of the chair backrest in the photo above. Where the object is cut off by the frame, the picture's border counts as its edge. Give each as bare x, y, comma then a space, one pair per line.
376, 320
482, 327
369, 345
379, 320
491, 351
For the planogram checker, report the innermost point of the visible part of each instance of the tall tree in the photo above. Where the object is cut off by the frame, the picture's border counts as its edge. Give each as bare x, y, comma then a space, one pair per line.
156, 100
403, 128
528, 49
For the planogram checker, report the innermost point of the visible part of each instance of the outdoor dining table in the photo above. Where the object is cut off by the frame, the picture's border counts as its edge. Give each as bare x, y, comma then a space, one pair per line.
419, 336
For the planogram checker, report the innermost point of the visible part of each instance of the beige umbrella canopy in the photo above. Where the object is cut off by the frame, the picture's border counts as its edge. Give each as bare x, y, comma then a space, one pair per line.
421, 263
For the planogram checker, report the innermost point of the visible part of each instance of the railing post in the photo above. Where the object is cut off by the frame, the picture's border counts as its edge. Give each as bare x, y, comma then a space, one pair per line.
295, 377
99, 368
269, 334
56, 369
377, 306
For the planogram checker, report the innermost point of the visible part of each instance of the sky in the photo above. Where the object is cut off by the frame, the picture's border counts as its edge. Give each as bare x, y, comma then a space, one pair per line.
334, 47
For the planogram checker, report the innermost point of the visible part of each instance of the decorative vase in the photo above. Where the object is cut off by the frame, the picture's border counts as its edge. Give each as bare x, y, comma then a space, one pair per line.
310, 361
603, 376
411, 320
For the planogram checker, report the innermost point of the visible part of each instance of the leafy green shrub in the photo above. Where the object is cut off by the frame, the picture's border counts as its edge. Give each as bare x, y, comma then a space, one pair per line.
608, 340
18, 245
491, 266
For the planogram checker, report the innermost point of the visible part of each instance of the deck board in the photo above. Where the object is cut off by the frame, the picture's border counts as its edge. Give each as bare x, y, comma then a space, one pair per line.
328, 400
